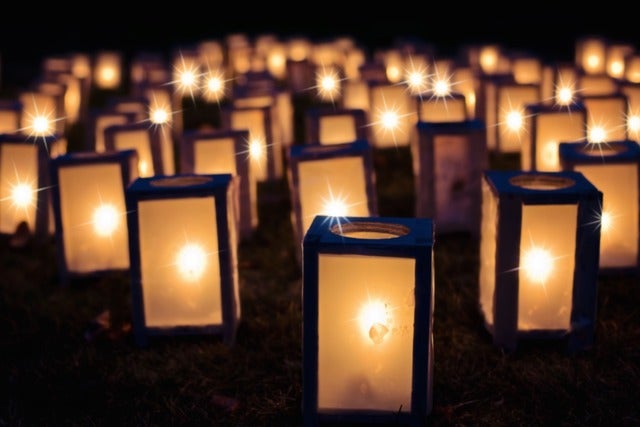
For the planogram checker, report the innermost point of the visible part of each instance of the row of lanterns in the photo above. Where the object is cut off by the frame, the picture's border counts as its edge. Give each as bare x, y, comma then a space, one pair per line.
546, 231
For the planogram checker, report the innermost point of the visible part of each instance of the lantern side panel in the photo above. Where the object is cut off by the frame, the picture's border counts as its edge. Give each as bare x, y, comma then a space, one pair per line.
94, 218
488, 249
337, 129
546, 268
180, 237
140, 141
552, 129
620, 218
365, 328
19, 172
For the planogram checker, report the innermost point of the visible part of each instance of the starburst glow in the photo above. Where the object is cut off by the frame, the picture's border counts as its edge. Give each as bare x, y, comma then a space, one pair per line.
328, 84
22, 195
606, 221
597, 134
105, 220
564, 95
514, 120
374, 320
191, 261
537, 263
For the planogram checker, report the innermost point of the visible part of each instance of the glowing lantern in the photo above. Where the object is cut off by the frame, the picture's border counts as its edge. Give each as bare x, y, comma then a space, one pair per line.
606, 117
539, 245
505, 113
392, 115
447, 107
183, 256
99, 120
107, 70
218, 152
368, 315
466, 83
89, 211
330, 125
616, 56
333, 180
264, 147
590, 55
41, 114
546, 127
614, 168
448, 162
140, 137
24, 184
10, 112
526, 69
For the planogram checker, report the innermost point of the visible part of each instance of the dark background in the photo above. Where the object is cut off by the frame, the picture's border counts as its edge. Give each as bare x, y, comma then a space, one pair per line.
32, 31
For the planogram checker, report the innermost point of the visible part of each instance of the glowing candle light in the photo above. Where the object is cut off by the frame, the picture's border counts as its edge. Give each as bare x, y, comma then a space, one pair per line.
191, 261
105, 220
365, 289
22, 195
328, 84
564, 95
329, 125
514, 120
537, 264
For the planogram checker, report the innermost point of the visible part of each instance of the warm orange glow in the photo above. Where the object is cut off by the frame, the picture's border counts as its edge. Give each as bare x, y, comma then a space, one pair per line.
389, 119
328, 84
159, 115
537, 264
335, 207
374, 320
564, 95
105, 220
633, 124
514, 120
593, 61
191, 261
606, 221
597, 134
441, 87
143, 167
22, 195
256, 148
215, 87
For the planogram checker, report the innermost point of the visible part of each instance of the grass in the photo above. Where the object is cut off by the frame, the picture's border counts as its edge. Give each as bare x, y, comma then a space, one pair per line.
52, 375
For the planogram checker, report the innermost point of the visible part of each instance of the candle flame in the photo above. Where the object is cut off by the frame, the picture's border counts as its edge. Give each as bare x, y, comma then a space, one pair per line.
514, 120
22, 195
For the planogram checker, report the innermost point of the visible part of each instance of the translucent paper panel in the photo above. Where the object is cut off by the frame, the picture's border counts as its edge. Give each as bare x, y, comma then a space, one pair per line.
18, 186
140, 141
545, 273
337, 129
488, 233
552, 129
365, 332
180, 267
93, 214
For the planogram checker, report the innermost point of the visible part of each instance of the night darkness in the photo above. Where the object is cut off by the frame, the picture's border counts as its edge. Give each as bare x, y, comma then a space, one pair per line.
551, 34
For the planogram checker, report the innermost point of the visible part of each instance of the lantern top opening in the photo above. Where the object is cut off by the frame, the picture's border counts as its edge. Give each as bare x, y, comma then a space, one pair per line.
541, 182
370, 230
180, 181
602, 149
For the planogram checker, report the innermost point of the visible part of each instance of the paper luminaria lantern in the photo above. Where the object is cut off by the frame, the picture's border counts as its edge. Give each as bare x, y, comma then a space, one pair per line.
614, 168
140, 137
367, 320
329, 125
183, 256
24, 183
107, 70
220, 151
89, 211
392, 114
539, 257
546, 126
101, 119
446, 107
606, 117
448, 162
264, 148
333, 180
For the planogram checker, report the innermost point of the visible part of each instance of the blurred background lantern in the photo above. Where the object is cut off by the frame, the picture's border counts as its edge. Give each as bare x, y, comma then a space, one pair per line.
99, 120
448, 161
10, 116
391, 115
333, 180
367, 320
264, 148
539, 251
334, 125
546, 126
219, 152
183, 256
140, 137
107, 70
606, 117
89, 211
25, 199
614, 168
